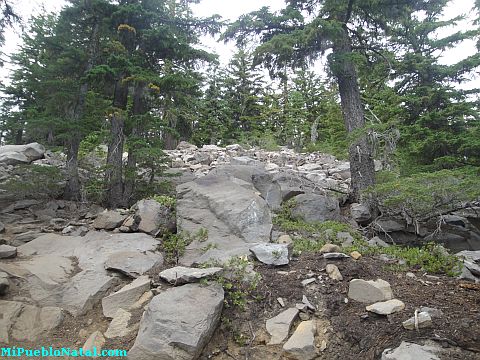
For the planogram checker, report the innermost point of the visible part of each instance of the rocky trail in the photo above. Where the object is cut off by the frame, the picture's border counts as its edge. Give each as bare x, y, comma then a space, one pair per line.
213, 274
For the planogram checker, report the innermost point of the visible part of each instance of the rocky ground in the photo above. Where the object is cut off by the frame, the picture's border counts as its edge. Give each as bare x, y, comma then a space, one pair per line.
74, 275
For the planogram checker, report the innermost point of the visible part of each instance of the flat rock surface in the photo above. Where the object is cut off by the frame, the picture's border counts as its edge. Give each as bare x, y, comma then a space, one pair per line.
126, 297
133, 263
386, 307
178, 323
180, 275
301, 344
279, 326
411, 351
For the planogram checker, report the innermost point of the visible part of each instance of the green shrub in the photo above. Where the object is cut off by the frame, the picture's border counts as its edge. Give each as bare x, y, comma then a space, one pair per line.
168, 201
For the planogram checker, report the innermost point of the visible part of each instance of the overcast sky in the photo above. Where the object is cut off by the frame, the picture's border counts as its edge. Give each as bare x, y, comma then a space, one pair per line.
230, 10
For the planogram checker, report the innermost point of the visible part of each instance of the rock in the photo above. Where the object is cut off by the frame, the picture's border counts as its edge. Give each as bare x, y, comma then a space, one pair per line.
2, 227
119, 325
410, 351
333, 272
133, 264
369, 291
301, 344
183, 145
9, 310
244, 160
376, 241
125, 297
7, 251
32, 322
386, 307
235, 218
94, 341
25, 237
315, 208
335, 255
285, 239
21, 154
355, 255
180, 275
109, 220
155, 218
271, 254
389, 225
308, 303
279, 326
144, 299
178, 323
424, 320
345, 238
281, 302
434, 313
308, 281
471, 261
330, 248
360, 213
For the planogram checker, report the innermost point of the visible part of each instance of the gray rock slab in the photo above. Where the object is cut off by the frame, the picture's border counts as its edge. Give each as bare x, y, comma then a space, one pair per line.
411, 351
235, 218
335, 255
360, 213
126, 297
301, 344
9, 310
423, 320
154, 217
7, 251
33, 322
109, 220
386, 307
21, 154
119, 326
316, 208
133, 263
271, 254
369, 291
178, 323
279, 326
180, 275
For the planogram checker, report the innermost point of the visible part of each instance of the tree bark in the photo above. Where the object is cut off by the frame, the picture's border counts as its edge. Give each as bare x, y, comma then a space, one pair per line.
114, 170
360, 151
139, 108
72, 187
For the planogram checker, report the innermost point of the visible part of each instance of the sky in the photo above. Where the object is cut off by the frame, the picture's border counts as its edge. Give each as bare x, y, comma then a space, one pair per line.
231, 10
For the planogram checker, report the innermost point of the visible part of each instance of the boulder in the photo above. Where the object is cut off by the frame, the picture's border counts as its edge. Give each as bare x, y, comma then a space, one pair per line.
315, 208
7, 251
376, 241
279, 326
471, 260
154, 217
386, 307
109, 220
271, 254
132, 263
360, 213
235, 218
125, 297
4, 283
301, 344
407, 351
183, 145
96, 340
369, 291
244, 160
330, 248
178, 323
180, 275
21, 154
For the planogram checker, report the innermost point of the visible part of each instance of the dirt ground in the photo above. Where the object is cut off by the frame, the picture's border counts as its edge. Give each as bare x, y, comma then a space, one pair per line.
344, 329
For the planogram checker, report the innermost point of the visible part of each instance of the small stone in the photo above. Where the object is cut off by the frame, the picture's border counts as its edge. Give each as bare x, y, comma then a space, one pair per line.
423, 318
301, 307
96, 340
376, 241
119, 325
410, 275
281, 302
125, 297
7, 251
345, 238
330, 248
271, 254
180, 275
434, 313
145, 298
279, 326
304, 316
301, 344
335, 255
83, 333
333, 272
355, 255
285, 239
308, 281
369, 291
308, 303
386, 307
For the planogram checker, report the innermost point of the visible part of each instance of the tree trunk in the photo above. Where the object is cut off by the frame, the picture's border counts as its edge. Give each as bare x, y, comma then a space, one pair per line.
314, 130
114, 170
139, 108
72, 187
360, 152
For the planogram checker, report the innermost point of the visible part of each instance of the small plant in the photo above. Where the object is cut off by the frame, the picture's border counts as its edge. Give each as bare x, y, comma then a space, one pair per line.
174, 246
209, 247
201, 235
167, 201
